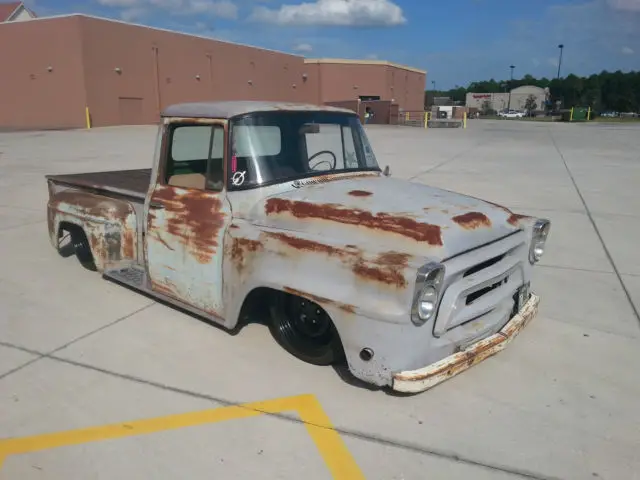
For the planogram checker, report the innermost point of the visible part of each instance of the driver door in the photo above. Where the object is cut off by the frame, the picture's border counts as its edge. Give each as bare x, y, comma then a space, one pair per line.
188, 217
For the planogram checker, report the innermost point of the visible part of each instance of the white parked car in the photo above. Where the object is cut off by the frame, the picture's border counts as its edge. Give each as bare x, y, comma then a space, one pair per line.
511, 114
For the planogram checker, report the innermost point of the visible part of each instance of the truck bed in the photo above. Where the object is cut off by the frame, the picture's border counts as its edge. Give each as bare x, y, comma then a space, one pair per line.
130, 183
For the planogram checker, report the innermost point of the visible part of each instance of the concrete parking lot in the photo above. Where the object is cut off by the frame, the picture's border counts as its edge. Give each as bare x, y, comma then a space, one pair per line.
97, 381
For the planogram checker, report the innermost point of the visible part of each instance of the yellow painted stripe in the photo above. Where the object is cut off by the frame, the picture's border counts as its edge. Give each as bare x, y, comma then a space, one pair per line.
121, 430
329, 443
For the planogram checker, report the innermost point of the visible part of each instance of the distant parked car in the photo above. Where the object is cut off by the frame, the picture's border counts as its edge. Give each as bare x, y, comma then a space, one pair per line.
511, 114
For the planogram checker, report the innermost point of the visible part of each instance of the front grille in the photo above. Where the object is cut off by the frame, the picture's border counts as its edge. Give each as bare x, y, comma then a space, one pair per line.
481, 283
479, 293
483, 265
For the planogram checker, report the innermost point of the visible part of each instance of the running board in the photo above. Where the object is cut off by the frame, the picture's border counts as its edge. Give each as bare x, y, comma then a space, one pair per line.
133, 276
136, 278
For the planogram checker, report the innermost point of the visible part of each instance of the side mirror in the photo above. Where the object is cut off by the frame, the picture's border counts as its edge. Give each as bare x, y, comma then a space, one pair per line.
387, 171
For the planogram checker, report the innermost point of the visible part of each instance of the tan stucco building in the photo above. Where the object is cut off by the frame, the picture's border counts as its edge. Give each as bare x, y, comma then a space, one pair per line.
500, 101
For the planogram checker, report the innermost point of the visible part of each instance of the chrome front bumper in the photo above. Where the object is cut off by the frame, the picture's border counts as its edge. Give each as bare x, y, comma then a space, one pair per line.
414, 381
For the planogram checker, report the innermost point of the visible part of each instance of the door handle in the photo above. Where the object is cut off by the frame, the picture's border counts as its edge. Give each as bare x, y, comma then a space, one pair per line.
156, 205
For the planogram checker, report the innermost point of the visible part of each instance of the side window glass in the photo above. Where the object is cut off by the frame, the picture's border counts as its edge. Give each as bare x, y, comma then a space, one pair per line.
195, 158
190, 144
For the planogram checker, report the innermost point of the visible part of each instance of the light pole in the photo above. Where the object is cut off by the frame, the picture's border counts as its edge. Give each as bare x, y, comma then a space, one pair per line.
561, 47
511, 67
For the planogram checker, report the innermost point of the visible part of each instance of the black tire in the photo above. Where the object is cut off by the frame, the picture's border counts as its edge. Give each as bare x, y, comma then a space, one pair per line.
82, 249
304, 329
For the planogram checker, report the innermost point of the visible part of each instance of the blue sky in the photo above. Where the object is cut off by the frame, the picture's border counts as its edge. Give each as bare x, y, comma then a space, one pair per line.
456, 41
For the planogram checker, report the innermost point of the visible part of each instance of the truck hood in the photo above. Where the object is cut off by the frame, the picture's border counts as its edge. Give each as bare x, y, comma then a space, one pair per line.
379, 213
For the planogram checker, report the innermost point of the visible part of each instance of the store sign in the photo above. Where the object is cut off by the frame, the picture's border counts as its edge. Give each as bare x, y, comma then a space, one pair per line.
481, 95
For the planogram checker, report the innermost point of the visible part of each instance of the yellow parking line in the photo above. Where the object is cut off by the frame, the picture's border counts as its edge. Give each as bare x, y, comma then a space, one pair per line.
329, 443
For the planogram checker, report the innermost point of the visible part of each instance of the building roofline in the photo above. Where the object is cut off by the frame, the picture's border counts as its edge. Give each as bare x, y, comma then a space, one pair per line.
363, 62
19, 4
122, 22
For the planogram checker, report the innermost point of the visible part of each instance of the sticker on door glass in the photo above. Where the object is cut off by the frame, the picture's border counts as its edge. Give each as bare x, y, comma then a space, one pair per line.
238, 178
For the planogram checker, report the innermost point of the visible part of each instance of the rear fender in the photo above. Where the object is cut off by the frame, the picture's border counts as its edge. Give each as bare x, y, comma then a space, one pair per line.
109, 224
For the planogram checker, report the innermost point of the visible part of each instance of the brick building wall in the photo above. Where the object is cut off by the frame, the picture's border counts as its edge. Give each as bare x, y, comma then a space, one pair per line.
126, 74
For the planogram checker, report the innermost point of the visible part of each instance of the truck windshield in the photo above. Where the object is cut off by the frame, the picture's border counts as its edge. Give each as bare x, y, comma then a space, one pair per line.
274, 147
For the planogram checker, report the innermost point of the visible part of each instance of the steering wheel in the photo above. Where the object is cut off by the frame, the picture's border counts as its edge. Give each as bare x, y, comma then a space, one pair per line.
331, 166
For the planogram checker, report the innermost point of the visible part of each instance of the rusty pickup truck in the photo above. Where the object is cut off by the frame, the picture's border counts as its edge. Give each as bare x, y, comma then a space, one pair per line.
284, 208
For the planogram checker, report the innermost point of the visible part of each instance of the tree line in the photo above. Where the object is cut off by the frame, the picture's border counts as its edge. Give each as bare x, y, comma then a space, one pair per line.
605, 91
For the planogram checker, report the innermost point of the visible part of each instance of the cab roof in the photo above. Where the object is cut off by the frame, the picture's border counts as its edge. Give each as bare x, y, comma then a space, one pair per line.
229, 109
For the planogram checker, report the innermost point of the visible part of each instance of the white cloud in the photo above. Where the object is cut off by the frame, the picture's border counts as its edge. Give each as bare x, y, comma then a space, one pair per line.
133, 9
119, 3
221, 9
627, 50
334, 12
303, 48
132, 14
625, 5
372, 56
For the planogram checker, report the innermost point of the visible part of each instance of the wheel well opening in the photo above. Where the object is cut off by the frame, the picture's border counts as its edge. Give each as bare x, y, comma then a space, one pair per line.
78, 244
256, 308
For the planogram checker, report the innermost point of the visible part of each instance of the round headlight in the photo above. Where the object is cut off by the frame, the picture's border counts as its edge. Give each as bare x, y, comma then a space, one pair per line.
427, 305
538, 240
427, 293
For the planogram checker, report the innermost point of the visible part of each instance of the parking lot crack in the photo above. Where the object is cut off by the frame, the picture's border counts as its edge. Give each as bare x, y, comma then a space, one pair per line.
449, 160
41, 355
346, 432
595, 227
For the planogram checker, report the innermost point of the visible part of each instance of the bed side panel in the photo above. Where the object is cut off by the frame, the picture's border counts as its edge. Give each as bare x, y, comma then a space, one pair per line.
110, 224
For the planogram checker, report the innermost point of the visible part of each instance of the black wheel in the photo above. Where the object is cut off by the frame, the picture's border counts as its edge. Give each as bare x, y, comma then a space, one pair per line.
304, 329
82, 249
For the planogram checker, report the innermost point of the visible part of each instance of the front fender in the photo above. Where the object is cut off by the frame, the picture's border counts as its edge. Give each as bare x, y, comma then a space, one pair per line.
343, 278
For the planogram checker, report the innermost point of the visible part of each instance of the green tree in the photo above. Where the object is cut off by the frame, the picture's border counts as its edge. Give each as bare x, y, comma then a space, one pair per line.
602, 91
530, 104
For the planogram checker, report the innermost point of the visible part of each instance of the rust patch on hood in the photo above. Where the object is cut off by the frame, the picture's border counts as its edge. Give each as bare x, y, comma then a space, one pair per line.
321, 300
405, 226
472, 220
515, 218
360, 193
194, 218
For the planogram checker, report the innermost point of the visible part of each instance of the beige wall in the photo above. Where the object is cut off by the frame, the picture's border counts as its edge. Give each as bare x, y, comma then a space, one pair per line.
161, 68
500, 101
158, 68
347, 80
31, 96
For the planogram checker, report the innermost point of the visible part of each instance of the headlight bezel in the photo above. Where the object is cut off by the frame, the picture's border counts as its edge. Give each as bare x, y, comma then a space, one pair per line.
539, 235
429, 281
